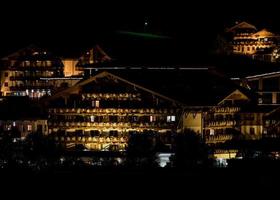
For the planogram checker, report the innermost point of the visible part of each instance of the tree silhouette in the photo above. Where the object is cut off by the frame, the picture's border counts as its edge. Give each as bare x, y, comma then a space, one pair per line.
190, 150
141, 150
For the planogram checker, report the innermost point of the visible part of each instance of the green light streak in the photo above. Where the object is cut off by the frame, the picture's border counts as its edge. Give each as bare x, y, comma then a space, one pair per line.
144, 35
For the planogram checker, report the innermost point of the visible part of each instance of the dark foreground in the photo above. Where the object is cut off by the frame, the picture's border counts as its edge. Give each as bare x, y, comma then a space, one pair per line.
122, 183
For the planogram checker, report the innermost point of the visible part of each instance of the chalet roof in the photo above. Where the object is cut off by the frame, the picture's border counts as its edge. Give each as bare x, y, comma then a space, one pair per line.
264, 33
22, 51
242, 25
31, 52
94, 54
188, 87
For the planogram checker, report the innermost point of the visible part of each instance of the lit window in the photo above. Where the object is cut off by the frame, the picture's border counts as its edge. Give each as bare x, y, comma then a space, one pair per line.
171, 118
14, 124
49, 63
29, 127
92, 118
152, 118
95, 104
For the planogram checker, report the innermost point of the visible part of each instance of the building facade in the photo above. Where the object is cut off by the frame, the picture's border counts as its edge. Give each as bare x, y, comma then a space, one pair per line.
22, 72
104, 110
258, 44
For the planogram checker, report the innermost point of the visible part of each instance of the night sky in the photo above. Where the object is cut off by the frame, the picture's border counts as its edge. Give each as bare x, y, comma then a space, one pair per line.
70, 26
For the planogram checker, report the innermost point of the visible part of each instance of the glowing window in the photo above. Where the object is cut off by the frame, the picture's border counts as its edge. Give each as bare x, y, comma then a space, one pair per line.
152, 118
95, 104
171, 118
29, 127
92, 118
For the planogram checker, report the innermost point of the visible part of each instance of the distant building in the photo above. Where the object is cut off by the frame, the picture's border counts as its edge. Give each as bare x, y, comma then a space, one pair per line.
35, 72
21, 72
258, 44
19, 117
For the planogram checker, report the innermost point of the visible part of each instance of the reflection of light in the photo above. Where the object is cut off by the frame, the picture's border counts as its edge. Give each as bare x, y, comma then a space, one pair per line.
163, 159
221, 162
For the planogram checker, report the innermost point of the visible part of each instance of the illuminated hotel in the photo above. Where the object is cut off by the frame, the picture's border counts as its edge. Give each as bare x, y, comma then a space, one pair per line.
23, 70
113, 101
103, 111
36, 72
247, 40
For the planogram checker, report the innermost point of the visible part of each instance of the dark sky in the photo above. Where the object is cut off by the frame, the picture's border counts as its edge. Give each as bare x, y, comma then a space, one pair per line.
82, 23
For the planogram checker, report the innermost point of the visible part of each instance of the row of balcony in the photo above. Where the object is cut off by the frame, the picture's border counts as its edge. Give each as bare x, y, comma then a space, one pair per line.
256, 43
91, 139
111, 96
218, 138
123, 125
226, 109
221, 123
109, 111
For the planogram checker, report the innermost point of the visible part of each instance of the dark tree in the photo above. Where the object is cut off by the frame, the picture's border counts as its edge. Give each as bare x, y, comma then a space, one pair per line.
141, 150
41, 146
190, 150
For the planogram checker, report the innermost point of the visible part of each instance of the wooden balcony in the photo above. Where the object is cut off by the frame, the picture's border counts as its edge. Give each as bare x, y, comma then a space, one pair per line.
110, 125
98, 111
218, 138
224, 123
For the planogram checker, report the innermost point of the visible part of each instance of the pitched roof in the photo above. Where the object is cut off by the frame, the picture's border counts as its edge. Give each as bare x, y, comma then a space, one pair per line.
242, 25
264, 33
189, 87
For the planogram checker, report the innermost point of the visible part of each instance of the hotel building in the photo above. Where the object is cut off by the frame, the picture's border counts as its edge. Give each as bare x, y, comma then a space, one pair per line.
246, 39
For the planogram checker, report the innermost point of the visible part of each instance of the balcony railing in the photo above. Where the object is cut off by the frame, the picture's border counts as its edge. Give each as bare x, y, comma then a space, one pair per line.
221, 123
99, 111
89, 139
112, 96
113, 125
218, 138
226, 109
